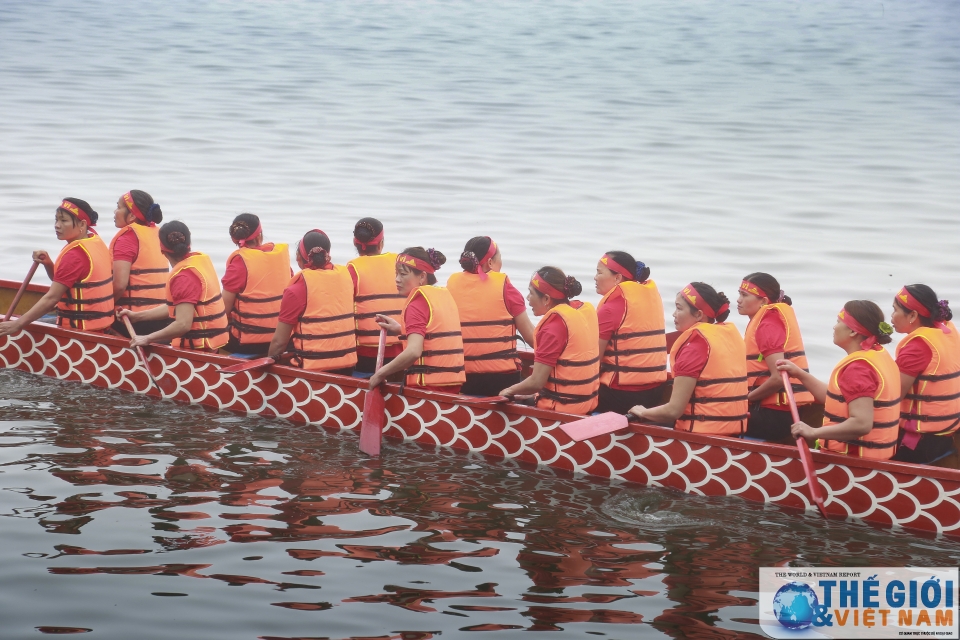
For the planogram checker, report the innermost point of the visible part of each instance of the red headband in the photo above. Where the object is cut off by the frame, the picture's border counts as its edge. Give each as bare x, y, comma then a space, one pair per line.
253, 236
372, 242
415, 263
71, 208
546, 288
907, 301
693, 297
302, 250
748, 287
850, 321
492, 251
613, 265
135, 210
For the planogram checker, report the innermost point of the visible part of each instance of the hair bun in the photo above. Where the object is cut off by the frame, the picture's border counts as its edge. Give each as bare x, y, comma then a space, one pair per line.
643, 272
944, 313
469, 262
175, 237
240, 229
571, 287
437, 259
151, 214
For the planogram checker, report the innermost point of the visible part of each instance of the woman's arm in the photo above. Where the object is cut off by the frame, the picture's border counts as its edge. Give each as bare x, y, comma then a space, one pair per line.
183, 320
401, 362
771, 385
858, 424
229, 297
817, 387
906, 383
43, 258
524, 327
683, 387
281, 338
536, 382
121, 278
159, 312
43, 306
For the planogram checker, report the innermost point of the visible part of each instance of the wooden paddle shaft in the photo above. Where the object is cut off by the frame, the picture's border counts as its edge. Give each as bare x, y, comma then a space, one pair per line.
23, 288
788, 387
381, 348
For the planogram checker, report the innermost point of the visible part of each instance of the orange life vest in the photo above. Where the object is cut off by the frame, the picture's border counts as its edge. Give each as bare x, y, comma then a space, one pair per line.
934, 400
637, 351
757, 370
881, 442
148, 271
255, 313
574, 383
376, 294
325, 338
719, 402
489, 335
88, 304
441, 362
209, 329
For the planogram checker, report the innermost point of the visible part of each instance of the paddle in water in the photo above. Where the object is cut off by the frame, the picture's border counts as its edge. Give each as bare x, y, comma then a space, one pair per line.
805, 458
21, 290
595, 426
374, 410
142, 355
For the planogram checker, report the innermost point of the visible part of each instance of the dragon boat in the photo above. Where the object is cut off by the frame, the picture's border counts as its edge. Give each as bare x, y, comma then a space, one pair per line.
889, 494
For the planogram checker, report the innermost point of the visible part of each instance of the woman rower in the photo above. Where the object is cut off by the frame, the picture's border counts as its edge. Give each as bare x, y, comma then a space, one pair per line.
81, 287
192, 295
633, 343
253, 285
374, 292
709, 366
433, 358
862, 399
139, 268
492, 311
929, 363
317, 312
566, 360
772, 334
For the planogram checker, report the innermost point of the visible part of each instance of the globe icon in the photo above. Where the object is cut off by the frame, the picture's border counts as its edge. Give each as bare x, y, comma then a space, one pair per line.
794, 604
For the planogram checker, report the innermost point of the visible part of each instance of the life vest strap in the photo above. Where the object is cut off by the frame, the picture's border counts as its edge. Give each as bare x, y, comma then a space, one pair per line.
567, 398
140, 302
702, 418
255, 300
322, 355
711, 381
509, 338
84, 315
938, 378
378, 296
325, 336
442, 334
488, 323
917, 416
68, 299
89, 285
245, 314
568, 383
143, 272
630, 352
423, 368
144, 287
786, 355
199, 334
369, 332
698, 400
393, 313
579, 363
605, 366
638, 334
440, 352
929, 398
507, 354
867, 445
327, 319
213, 316
876, 425
250, 328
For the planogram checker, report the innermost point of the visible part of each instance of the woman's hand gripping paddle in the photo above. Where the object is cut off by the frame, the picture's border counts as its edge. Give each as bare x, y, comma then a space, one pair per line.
805, 458
595, 426
23, 287
374, 410
142, 355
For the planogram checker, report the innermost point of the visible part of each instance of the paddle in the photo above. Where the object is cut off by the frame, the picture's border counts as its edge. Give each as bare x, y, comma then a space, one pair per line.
142, 355
595, 426
249, 365
23, 288
805, 458
374, 410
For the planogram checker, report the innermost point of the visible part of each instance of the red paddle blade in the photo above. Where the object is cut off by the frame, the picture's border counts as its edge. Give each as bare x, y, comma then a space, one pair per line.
374, 420
475, 400
807, 460
249, 365
595, 426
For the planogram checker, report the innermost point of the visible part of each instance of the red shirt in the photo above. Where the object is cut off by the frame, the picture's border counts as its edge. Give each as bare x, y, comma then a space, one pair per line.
513, 299
914, 358
857, 380
691, 358
127, 247
74, 266
551, 340
416, 315
235, 277
771, 335
186, 287
610, 315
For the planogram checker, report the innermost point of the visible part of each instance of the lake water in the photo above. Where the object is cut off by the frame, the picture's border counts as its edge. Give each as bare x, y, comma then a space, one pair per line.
815, 141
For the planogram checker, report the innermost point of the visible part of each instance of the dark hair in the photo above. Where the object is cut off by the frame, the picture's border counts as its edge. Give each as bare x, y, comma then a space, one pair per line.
364, 231
939, 309
243, 225
716, 299
85, 207
316, 244
150, 209
769, 286
473, 251
175, 236
569, 285
434, 257
870, 316
640, 271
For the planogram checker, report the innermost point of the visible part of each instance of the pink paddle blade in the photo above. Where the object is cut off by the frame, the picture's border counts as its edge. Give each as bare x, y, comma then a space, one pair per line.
374, 419
595, 426
249, 365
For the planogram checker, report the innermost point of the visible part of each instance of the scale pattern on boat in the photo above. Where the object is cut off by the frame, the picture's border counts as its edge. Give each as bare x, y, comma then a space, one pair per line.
762, 473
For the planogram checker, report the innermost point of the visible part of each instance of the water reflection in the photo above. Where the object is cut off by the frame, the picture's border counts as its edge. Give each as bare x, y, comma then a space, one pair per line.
120, 499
